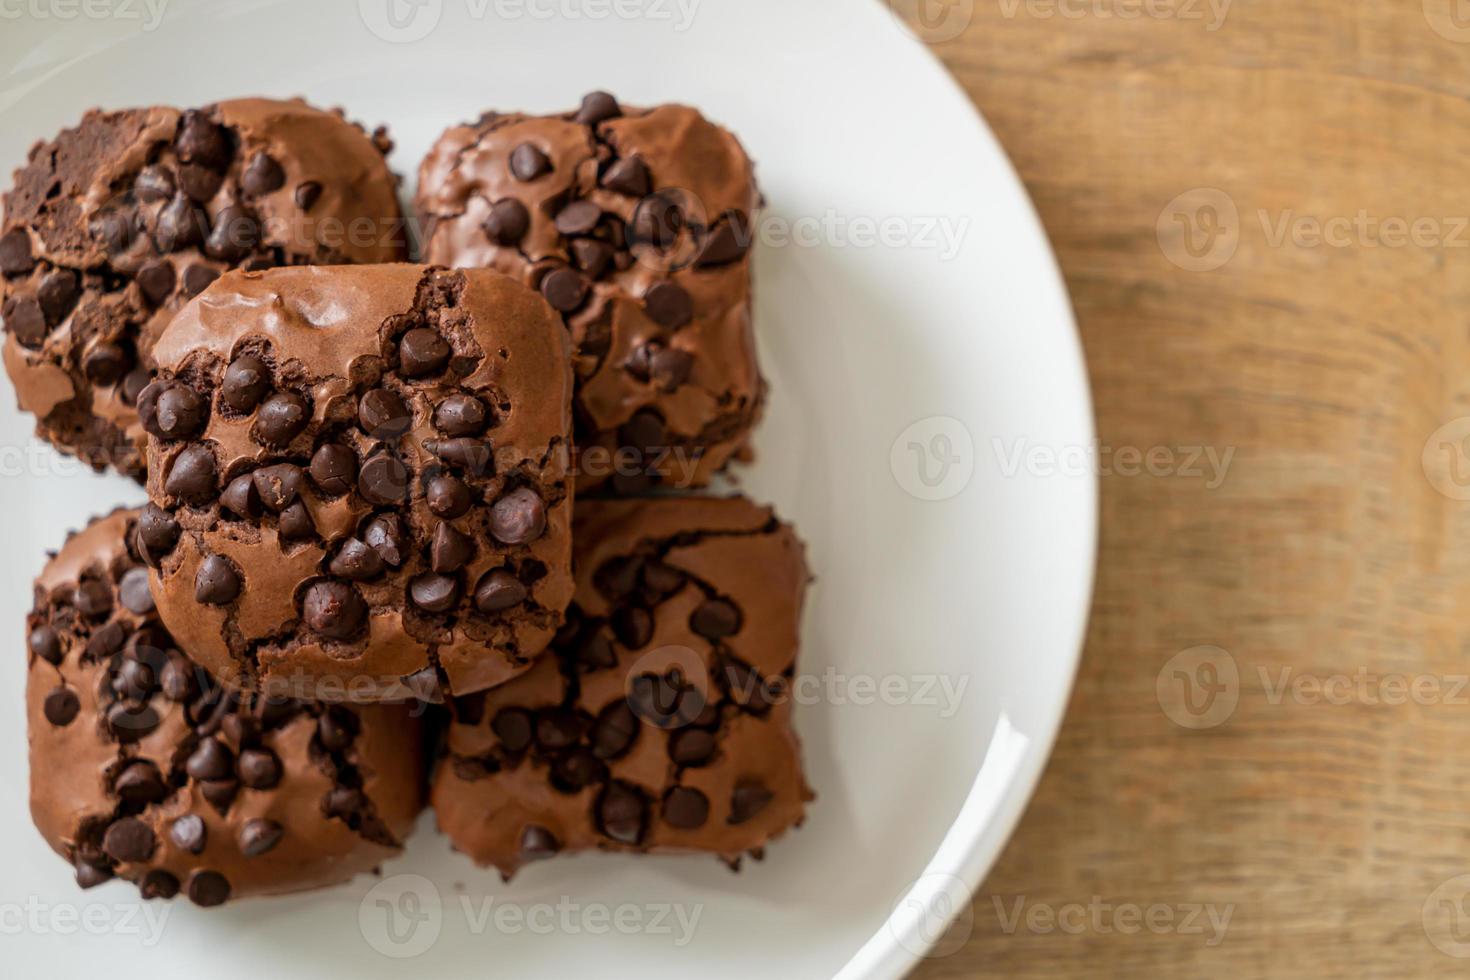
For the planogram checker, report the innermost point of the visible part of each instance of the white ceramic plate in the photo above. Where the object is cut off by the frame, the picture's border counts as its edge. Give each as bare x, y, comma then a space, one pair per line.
917, 381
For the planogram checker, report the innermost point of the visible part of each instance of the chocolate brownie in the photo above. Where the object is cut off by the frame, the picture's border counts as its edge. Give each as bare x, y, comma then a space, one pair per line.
636, 225
112, 226
143, 768
360, 480
664, 723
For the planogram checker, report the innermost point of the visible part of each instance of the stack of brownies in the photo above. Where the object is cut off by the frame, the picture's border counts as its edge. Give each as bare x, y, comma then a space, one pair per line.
416, 533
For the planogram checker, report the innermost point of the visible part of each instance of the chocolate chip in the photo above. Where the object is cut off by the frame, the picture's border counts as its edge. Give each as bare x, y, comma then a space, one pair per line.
189, 833
197, 279
558, 728
538, 843
240, 498
220, 793
422, 352
661, 579
154, 183
591, 256
46, 644
235, 235
346, 803
460, 415
259, 768
93, 599
58, 295
749, 798
156, 280
208, 888
211, 759
216, 583
201, 140
334, 609
192, 478
622, 813
564, 289
425, 685
471, 455
279, 485
578, 218
246, 382
334, 469
128, 723
576, 770
714, 619
113, 228
669, 305
307, 193
140, 783
129, 840
450, 550
633, 627
295, 523
105, 642
727, 242
383, 480
61, 706
657, 221
614, 731
15, 253
259, 835
383, 414
91, 875
134, 680
686, 808
176, 411
200, 184
356, 562
384, 534
282, 418
691, 747
434, 593
499, 590
527, 162
645, 431
133, 384
158, 883
669, 367
24, 318
158, 531
507, 222
181, 225
336, 728
132, 589
518, 518
262, 175
448, 497
597, 107
104, 362
627, 176
513, 726
596, 652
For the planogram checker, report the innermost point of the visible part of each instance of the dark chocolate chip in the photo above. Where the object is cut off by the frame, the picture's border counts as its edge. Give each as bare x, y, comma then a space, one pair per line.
337, 727
61, 706
140, 783
725, 243
158, 883
201, 140
714, 619
295, 523
617, 578
383, 414
460, 415
614, 731
558, 728
211, 759
597, 107
668, 304
384, 534
240, 497
105, 642
129, 722
471, 455
518, 518
578, 218
282, 417
178, 412
189, 833
448, 497
262, 175
576, 770
669, 367
434, 593
356, 561
133, 384
259, 835
235, 235
156, 280
661, 579
216, 583
334, 609
192, 478
383, 480
422, 352
633, 627
307, 193
58, 295
129, 840
220, 793
527, 162
622, 813
499, 590
334, 469
513, 726
564, 288
158, 531
691, 747
197, 279
627, 176
346, 803
259, 768
181, 225
208, 888
538, 843
246, 382
15, 253
154, 183
104, 362
686, 808
749, 798
595, 651
94, 599
113, 228
450, 550
592, 256
279, 485
132, 589
24, 318
657, 221
198, 183
46, 644
507, 222
91, 875
645, 431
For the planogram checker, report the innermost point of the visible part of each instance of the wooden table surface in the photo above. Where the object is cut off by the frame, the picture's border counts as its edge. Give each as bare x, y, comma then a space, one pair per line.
1264, 222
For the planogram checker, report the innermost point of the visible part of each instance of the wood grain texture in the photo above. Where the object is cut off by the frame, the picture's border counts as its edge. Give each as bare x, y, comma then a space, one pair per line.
1325, 367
